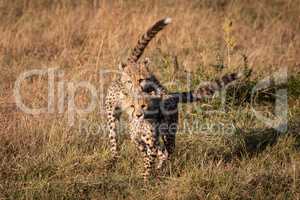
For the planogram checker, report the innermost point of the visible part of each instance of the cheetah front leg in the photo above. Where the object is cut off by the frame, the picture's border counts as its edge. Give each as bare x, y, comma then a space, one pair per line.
142, 147
149, 141
112, 114
149, 159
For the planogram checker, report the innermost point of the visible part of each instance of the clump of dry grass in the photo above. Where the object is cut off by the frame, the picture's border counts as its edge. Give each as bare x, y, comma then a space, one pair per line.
43, 158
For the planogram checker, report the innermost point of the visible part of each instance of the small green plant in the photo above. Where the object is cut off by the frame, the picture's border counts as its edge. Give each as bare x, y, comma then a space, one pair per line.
229, 39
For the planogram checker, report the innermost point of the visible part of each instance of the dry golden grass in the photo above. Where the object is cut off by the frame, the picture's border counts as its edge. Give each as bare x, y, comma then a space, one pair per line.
43, 158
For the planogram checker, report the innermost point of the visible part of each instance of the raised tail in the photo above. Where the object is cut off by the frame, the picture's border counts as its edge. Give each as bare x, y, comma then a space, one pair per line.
138, 50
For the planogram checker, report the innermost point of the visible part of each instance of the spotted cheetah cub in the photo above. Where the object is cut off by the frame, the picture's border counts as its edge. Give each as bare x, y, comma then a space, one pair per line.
152, 110
142, 132
154, 117
134, 79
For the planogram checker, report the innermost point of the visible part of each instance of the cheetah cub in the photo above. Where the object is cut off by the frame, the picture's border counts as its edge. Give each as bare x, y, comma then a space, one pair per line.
142, 131
150, 115
152, 110
135, 78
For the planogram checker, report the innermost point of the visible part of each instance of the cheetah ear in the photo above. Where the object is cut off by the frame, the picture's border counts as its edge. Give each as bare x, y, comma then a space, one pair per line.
152, 93
122, 65
147, 61
130, 110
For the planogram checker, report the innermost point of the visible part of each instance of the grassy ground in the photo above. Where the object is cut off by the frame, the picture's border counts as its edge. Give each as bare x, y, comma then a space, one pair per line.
236, 156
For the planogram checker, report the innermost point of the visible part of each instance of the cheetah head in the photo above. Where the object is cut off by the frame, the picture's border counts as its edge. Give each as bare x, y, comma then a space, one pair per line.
138, 106
137, 76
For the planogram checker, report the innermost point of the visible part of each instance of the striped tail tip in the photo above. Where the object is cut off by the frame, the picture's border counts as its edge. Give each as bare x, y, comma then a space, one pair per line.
167, 20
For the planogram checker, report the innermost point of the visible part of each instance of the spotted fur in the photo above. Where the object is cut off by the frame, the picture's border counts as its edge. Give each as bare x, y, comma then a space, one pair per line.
133, 80
156, 116
152, 110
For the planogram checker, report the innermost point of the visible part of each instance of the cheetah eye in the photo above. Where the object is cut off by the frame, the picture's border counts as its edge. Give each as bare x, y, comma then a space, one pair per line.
141, 80
143, 106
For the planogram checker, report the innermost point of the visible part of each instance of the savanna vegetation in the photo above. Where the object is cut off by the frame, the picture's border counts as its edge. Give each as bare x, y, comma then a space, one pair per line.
225, 149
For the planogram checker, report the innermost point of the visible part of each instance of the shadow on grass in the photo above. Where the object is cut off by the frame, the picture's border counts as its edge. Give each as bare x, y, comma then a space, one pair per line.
232, 148
256, 141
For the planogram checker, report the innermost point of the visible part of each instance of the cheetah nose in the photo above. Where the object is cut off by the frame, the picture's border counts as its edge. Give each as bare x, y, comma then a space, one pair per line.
139, 114
143, 84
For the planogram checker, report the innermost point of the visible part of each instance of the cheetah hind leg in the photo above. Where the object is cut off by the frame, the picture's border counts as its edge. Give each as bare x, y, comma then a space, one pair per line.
165, 152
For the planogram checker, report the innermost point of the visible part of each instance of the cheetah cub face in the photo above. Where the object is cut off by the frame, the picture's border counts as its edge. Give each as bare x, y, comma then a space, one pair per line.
137, 76
138, 106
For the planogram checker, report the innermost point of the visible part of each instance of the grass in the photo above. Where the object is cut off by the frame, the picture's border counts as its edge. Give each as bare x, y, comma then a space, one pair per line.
230, 154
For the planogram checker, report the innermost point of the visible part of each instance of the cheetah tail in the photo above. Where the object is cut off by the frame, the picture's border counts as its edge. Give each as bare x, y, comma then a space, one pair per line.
146, 38
207, 90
